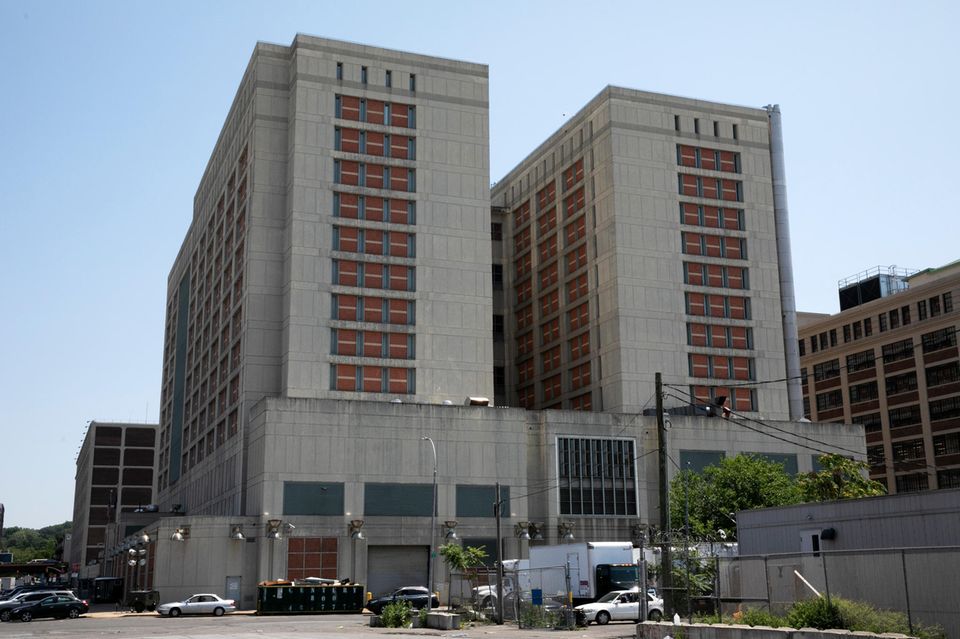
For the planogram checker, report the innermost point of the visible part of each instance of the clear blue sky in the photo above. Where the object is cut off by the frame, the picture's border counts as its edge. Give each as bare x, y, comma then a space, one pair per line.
109, 112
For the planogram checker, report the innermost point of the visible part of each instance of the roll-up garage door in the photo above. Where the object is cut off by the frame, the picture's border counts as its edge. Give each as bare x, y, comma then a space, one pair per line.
391, 567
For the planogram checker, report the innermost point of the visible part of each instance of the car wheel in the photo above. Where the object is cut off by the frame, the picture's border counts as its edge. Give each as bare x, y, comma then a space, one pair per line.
174, 612
5, 615
138, 606
26, 617
603, 617
655, 615
74, 613
218, 612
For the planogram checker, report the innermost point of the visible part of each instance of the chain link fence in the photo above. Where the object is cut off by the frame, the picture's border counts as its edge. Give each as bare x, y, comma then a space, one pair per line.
532, 598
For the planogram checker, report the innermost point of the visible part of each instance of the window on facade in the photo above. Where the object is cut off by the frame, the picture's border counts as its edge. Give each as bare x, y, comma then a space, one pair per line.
908, 450
802, 346
875, 455
948, 302
904, 416
339, 70
826, 370
912, 483
934, 306
496, 231
863, 392
363, 75
901, 383
413, 82
498, 328
860, 361
922, 310
948, 444
897, 351
597, 476
894, 318
943, 374
905, 315
871, 422
948, 408
883, 322
948, 478
497, 271
867, 327
829, 400
388, 78
944, 338
846, 333
857, 330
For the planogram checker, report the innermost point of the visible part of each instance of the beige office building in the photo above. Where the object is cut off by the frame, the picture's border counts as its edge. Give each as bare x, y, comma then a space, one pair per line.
889, 362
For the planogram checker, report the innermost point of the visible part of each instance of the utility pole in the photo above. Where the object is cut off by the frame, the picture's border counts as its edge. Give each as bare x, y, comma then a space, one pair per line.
666, 578
497, 507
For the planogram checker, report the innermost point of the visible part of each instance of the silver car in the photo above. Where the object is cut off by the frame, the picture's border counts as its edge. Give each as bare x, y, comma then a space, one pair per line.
203, 604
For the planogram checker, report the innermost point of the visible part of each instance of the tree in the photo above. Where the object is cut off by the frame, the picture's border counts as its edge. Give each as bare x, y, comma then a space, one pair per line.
736, 483
28, 543
841, 478
460, 558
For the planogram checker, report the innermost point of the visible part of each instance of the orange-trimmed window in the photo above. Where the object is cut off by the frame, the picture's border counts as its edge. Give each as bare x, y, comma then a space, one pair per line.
525, 343
697, 334
576, 230
400, 311
548, 276
579, 346
401, 277
345, 377
573, 174
523, 265
348, 238
582, 402
349, 107
573, 203
521, 240
374, 143
375, 175
550, 359
552, 388
579, 317
347, 140
373, 209
549, 303
580, 376
345, 341
346, 205
373, 275
346, 273
576, 259
372, 344
550, 331
403, 212
547, 248
345, 307
400, 380
546, 196
547, 222
348, 173
375, 110
372, 379
525, 371
524, 291
577, 288
524, 317
401, 244
373, 309
528, 397
373, 241
521, 215
401, 346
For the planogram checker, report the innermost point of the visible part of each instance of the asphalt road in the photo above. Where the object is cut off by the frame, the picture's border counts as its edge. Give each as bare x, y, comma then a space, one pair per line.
148, 626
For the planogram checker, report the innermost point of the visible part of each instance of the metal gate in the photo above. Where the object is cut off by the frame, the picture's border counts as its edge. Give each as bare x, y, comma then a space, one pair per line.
392, 567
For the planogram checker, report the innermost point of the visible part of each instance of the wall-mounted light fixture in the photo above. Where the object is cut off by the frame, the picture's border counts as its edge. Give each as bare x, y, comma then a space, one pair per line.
451, 530
565, 530
536, 531
522, 531
356, 530
182, 533
273, 528
236, 533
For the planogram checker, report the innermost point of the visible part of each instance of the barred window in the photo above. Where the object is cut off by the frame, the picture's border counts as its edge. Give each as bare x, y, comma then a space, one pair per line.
829, 400
945, 408
826, 370
860, 361
908, 450
948, 444
905, 416
875, 455
948, 302
596, 476
901, 383
864, 392
943, 374
936, 340
948, 478
912, 483
898, 350
871, 422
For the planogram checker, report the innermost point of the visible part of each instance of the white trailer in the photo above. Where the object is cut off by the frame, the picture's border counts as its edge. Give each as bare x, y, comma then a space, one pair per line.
589, 564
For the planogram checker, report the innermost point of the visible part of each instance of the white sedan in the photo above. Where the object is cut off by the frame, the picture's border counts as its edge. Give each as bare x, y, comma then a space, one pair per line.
205, 604
620, 605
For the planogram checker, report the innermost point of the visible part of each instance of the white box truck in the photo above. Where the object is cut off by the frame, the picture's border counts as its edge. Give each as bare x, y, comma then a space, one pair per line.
595, 568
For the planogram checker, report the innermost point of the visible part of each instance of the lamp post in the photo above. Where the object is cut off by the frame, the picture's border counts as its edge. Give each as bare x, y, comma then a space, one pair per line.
433, 524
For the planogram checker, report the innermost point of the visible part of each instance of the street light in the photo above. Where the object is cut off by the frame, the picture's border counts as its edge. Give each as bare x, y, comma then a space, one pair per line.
433, 524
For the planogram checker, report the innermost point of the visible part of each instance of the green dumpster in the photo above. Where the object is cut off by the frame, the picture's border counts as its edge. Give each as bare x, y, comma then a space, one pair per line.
299, 599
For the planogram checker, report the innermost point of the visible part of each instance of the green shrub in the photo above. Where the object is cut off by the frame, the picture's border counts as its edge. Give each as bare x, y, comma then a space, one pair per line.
814, 613
759, 617
857, 615
396, 614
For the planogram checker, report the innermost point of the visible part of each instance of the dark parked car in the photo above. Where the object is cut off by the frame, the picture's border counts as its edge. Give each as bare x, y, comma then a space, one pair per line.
416, 596
23, 598
59, 606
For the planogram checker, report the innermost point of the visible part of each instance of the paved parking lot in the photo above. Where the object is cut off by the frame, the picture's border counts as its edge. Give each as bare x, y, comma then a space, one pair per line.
151, 626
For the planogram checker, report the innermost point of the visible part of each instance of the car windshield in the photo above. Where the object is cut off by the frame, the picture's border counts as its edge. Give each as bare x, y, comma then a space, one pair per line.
610, 596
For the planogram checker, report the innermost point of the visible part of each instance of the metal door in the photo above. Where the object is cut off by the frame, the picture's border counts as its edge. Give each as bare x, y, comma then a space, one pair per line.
232, 590
392, 567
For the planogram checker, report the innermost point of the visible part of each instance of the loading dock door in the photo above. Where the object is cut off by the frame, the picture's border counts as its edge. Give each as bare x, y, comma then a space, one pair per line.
392, 567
